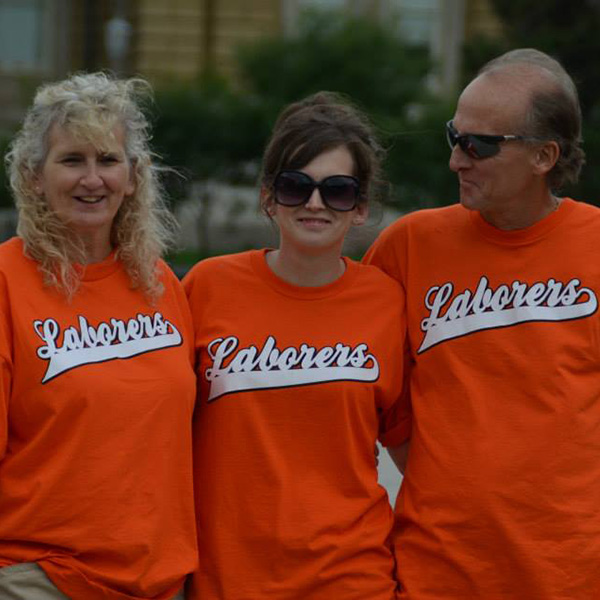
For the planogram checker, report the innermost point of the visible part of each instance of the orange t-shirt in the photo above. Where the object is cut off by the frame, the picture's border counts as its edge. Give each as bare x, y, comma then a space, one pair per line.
295, 387
96, 402
501, 498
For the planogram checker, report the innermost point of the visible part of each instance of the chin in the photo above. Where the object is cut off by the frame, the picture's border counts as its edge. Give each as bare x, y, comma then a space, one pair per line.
470, 203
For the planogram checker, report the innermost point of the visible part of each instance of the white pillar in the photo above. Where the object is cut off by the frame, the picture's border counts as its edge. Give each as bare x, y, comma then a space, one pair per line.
447, 42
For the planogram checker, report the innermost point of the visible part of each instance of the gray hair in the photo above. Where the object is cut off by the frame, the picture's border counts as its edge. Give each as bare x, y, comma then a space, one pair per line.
554, 112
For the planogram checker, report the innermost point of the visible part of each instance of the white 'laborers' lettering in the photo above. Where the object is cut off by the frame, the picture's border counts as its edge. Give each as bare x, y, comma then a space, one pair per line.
107, 341
235, 370
488, 308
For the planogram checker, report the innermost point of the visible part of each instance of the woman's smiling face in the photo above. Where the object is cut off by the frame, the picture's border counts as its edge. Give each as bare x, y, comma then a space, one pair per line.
86, 186
313, 228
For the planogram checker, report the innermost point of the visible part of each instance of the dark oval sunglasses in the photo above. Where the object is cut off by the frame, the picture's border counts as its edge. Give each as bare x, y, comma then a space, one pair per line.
338, 192
478, 145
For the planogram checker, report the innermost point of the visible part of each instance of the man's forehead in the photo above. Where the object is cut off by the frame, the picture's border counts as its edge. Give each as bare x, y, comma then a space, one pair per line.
494, 100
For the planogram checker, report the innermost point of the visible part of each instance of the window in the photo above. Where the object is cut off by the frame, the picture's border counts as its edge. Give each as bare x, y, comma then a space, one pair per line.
417, 19
22, 35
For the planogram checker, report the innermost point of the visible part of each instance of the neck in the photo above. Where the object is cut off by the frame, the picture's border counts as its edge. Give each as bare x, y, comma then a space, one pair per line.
95, 249
306, 270
522, 214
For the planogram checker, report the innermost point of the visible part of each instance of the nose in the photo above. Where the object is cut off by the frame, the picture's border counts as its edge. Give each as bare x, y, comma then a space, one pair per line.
91, 177
315, 202
458, 159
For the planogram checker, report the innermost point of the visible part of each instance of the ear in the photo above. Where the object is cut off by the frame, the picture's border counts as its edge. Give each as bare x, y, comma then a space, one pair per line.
37, 184
130, 189
546, 156
360, 215
266, 202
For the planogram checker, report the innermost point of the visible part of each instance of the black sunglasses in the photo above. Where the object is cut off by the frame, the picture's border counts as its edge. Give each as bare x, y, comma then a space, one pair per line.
338, 192
478, 145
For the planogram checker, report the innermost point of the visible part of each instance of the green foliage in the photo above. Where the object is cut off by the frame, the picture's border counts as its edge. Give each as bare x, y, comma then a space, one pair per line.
5, 194
479, 50
566, 29
206, 130
417, 160
210, 129
588, 188
359, 57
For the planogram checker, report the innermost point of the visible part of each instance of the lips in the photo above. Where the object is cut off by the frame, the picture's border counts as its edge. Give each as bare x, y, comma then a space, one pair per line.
89, 199
466, 182
313, 223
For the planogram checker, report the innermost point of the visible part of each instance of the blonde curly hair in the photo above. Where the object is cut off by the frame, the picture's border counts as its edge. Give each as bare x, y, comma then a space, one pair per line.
90, 106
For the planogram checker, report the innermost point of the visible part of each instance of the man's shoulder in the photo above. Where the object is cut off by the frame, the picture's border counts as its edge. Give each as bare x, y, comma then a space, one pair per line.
376, 279
581, 218
389, 251
584, 208
426, 218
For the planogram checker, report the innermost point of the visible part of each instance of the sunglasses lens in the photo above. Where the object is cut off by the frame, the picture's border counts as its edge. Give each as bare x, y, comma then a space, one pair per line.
479, 147
340, 192
293, 188
476, 146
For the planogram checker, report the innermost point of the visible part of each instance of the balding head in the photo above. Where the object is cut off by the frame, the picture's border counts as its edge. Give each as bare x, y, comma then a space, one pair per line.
553, 110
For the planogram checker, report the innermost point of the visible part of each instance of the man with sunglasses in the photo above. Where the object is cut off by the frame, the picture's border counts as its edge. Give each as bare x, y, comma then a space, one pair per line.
501, 495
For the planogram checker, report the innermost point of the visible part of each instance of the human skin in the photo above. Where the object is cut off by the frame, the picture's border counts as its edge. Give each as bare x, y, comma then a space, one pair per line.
85, 186
311, 235
509, 189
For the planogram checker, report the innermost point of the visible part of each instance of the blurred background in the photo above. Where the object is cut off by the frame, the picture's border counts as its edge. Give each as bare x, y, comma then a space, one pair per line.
222, 69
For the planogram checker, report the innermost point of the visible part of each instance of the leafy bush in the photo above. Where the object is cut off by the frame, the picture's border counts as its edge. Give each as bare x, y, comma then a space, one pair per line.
208, 130
331, 51
211, 129
417, 160
5, 194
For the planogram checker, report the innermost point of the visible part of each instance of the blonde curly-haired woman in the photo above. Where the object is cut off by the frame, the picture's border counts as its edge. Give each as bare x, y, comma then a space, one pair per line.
96, 384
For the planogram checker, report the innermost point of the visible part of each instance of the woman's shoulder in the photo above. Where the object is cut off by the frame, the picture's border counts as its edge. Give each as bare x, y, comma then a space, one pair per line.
11, 246
218, 273
221, 265
12, 254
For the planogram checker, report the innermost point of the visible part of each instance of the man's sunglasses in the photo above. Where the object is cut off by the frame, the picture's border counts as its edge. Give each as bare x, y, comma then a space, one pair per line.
478, 145
338, 192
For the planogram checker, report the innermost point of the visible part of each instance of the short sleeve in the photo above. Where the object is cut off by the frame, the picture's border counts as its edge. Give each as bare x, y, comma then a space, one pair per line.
395, 424
386, 250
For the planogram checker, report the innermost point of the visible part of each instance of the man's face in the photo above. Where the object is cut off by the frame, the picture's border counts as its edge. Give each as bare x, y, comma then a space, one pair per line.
498, 186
